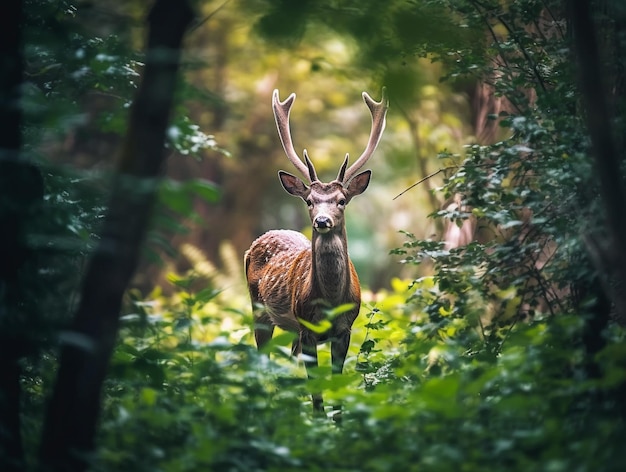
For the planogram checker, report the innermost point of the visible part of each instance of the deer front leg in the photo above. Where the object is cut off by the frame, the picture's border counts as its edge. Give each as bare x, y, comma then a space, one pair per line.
338, 352
308, 344
263, 330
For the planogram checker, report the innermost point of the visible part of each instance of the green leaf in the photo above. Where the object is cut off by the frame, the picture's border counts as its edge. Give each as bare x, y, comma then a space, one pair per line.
367, 346
319, 328
148, 396
280, 340
206, 190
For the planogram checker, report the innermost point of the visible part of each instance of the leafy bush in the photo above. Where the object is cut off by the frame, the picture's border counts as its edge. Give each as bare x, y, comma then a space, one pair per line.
183, 395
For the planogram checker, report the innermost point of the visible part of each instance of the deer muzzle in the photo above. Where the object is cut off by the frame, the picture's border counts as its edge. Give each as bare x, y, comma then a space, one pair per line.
322, 224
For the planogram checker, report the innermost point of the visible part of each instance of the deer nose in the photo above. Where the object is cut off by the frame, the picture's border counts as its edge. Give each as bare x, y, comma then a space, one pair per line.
322, 224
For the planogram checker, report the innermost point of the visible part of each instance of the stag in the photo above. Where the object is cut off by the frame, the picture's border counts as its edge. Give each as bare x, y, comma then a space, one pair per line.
293, 281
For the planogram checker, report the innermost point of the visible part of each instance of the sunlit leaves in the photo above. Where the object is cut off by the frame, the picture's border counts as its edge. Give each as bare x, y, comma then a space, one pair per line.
187, 138
282, 340
318, 328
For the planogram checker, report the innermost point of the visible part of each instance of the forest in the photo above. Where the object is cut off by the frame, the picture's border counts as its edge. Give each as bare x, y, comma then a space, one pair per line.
140, 150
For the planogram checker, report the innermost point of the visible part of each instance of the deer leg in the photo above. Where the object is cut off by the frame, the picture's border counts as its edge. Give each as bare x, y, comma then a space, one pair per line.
263, 330
338, 352
309, 349
296, 347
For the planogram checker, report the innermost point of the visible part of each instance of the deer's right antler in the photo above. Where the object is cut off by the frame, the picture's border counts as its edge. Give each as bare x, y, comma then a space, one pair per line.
281, 115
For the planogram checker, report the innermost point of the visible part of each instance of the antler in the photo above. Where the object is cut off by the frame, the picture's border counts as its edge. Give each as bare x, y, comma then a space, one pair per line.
281, 115
378, 111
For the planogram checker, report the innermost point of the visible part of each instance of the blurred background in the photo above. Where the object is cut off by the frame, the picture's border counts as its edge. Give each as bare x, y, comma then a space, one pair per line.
236, 55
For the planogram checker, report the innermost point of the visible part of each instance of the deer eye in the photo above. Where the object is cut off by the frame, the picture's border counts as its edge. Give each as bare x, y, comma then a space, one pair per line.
341, 202
309, 203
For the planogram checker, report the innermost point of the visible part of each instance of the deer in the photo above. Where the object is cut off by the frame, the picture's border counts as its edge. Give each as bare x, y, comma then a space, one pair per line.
292, 281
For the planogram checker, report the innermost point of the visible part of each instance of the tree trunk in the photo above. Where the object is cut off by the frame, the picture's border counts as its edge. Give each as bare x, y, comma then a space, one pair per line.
21, 188
608, 251
70, 426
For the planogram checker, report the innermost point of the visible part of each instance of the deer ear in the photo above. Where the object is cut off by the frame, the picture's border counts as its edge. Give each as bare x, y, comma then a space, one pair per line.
292, 184
358, 184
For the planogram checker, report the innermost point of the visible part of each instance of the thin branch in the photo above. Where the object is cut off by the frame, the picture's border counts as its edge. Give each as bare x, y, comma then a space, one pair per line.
414, 128
507, 334
208, 17
504, 23
422, 180
555, 21
496, 41
530, 61
443, 169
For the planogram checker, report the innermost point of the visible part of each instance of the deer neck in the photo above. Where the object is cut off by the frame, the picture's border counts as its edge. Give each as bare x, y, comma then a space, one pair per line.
331, 266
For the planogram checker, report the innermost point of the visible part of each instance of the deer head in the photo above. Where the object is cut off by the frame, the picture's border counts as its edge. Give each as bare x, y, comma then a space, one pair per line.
327, 201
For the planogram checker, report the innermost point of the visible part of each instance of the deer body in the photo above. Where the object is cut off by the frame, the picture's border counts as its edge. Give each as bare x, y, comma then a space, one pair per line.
291, 278
299, 288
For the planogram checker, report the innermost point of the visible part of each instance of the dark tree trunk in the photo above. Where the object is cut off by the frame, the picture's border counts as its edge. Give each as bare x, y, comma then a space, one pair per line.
608, 251
70, 425
21, 189
609, 254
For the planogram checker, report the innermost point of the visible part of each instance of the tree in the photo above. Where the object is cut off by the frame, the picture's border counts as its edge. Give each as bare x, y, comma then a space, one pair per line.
21, 193
70, 426
603, 124
66, 442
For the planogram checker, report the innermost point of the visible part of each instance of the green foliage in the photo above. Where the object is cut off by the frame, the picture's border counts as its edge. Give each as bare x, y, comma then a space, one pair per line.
385, 31
189, 395
529, 195
80, 79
